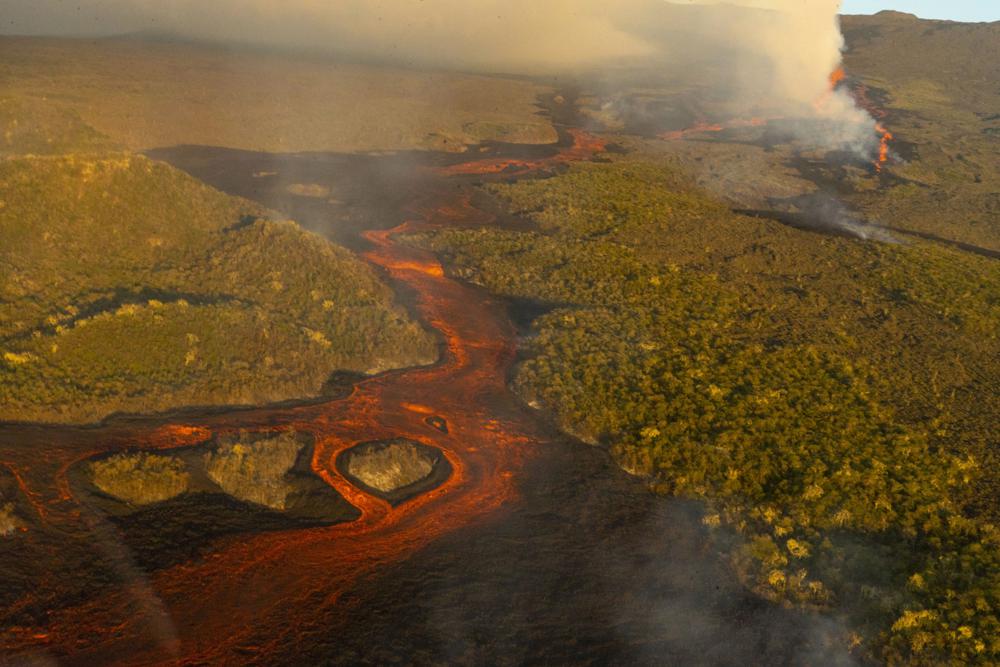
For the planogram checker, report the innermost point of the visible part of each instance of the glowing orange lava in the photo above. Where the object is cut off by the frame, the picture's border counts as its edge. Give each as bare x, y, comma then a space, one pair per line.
584, 146
257, 592
861, 97
883, 147
836, 76
703, 127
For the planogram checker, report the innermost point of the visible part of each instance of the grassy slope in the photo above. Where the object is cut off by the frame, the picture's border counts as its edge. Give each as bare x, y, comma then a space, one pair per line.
129, 286
943, 101
155, 94
829, 397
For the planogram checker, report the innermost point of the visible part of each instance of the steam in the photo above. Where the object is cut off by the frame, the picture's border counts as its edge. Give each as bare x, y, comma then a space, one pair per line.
774, 54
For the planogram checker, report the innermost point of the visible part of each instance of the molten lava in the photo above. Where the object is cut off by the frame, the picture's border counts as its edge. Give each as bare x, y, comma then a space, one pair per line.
584, 146
702, 127
257, 592
883, 147
863, 100
837, 78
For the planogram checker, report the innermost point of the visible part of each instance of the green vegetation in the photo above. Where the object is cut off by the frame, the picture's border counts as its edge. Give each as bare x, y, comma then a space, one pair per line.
129, 286
390, 466
141, 478
255, 470
29, 126
834, 401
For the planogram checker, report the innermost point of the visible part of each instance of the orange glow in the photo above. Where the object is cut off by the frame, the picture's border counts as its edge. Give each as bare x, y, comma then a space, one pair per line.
584, 146
836, 76
429, 268
703, 128
178, 435
883, 147
259, 590
860, 93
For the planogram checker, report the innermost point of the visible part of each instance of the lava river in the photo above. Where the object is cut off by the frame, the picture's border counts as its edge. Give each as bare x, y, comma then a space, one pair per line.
255, 592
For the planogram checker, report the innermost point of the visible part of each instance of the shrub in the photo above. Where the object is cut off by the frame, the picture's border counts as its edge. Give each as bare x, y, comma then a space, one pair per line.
8, 520
808, 389
390, 466
140, 479
255, 470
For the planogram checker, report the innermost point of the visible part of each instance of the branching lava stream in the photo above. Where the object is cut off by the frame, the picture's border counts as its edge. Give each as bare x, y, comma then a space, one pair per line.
254, 591
536, 548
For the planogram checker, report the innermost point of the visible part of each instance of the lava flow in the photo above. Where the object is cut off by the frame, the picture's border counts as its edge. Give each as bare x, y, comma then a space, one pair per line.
837, 78
256, 592
883, 146
703, 127
861, 96
584, 146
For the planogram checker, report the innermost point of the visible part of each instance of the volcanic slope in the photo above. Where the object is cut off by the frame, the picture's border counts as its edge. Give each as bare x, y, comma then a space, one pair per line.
128, 286
154, 93
832, 399
934, 84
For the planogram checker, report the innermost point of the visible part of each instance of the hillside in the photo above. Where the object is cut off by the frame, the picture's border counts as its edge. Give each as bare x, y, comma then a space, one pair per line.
148, 94
936, 82
828, 388
799, 344
129, 286
832, 399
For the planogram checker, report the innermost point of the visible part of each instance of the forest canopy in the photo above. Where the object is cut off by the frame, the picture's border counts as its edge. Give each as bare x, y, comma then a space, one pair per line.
804, 386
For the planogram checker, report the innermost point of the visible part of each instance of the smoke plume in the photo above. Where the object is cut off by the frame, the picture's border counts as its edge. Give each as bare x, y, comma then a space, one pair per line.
773, 54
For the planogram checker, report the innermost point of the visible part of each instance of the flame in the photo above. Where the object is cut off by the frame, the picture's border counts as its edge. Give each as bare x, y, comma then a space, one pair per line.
836, 77
883, 147
861, 97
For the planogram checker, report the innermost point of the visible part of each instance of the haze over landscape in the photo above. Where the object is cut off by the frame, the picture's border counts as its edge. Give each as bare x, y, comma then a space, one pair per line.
961, 10
499, 332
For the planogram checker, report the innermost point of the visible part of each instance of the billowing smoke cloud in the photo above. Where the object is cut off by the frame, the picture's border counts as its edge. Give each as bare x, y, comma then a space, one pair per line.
773, 53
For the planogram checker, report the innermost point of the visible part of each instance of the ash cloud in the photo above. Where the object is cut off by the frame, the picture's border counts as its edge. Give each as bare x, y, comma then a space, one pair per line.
757, 54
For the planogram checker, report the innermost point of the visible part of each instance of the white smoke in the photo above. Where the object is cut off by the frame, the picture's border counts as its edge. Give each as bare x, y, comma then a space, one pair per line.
804, 44
778, 53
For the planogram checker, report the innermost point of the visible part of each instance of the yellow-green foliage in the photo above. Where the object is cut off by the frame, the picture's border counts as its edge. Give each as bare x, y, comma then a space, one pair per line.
8, 519
804, 386
255, 470
130, 286
397, 464
140, 479
41, 128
